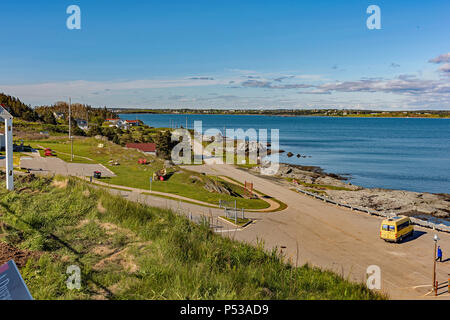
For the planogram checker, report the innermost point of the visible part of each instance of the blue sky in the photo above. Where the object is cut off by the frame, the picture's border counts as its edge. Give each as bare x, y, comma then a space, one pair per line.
228, 54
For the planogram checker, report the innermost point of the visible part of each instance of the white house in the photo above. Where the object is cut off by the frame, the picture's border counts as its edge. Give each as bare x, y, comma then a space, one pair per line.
82, 124
59, 115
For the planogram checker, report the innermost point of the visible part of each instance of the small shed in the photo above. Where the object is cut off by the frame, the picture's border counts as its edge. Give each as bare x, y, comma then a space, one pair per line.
147, 148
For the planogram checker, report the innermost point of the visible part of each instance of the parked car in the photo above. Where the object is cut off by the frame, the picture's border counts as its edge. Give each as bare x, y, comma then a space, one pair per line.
396, 229
97, 174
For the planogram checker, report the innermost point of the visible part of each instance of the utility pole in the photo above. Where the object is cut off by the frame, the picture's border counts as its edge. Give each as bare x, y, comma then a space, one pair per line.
70, 130
235, 212
70, 102
435, 287
434, 267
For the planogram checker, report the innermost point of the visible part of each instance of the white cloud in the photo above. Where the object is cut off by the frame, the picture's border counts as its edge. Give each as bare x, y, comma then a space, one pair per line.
268, 90
441, 59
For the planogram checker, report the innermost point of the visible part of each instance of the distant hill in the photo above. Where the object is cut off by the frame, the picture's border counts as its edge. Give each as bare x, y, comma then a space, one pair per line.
298, 112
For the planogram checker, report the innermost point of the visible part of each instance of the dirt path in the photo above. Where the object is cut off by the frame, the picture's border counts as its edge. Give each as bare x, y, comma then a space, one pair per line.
341, 240
156, 193
273, 205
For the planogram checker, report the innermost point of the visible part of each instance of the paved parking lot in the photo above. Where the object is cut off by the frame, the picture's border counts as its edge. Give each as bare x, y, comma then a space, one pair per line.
52, 165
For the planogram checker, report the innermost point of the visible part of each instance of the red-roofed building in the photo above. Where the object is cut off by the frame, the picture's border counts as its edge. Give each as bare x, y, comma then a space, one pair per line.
4, 107
149, 148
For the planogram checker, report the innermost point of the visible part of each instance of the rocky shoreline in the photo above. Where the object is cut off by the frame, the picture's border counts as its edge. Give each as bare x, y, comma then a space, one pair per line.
414, 204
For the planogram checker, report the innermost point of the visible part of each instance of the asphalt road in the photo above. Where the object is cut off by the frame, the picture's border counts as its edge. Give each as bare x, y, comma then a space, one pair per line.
347, 242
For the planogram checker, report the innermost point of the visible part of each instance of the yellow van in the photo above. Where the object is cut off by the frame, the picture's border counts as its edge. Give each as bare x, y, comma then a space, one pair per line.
396, 229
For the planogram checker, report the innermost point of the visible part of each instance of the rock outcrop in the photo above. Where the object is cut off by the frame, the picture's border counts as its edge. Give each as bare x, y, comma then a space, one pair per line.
383, 200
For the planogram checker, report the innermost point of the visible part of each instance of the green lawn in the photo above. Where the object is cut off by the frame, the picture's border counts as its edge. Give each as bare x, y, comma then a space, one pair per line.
180, 183
127, 250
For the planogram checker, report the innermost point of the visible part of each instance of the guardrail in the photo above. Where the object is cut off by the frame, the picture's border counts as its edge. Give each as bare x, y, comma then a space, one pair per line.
419, 222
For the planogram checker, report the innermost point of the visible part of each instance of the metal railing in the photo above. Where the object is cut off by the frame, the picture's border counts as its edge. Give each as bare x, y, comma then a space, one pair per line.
233, 213
231, 210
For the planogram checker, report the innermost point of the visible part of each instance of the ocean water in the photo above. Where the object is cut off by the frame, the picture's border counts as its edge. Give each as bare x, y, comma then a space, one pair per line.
392, 153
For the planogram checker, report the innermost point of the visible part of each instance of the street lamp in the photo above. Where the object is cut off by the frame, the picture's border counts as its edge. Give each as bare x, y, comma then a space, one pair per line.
436, 239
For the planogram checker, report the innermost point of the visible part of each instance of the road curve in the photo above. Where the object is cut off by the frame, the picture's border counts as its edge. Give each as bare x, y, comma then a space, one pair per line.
341, 240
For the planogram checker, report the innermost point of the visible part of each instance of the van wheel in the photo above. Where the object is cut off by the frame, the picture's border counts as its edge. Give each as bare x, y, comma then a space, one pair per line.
411, 234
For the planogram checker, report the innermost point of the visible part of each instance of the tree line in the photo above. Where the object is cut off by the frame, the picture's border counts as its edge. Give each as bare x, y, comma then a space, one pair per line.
46, 114
19, 109
95, 116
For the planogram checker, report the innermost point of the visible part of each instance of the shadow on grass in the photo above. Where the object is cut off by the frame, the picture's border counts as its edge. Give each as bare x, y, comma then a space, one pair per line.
63, 243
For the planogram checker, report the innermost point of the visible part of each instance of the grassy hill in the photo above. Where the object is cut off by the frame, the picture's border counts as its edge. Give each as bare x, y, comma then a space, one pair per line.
130, 251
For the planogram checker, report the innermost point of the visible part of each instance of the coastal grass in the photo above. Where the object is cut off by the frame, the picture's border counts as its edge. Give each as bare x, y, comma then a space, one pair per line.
128, 250
315, 186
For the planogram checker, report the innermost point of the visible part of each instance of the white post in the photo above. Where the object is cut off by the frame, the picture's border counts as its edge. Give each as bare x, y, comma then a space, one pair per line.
9, 155
70, 130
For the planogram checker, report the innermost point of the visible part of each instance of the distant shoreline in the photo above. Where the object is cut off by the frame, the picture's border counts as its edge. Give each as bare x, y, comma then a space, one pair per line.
286, 115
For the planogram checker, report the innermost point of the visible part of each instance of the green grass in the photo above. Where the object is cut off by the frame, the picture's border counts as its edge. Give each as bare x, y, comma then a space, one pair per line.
173, 198
131, 251
62, 150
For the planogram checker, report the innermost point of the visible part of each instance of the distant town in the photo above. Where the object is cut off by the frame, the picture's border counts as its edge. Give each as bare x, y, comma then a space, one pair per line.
297, 112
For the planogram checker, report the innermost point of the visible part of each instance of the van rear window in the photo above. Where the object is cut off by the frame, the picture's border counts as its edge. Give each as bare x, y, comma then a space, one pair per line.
388, 227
